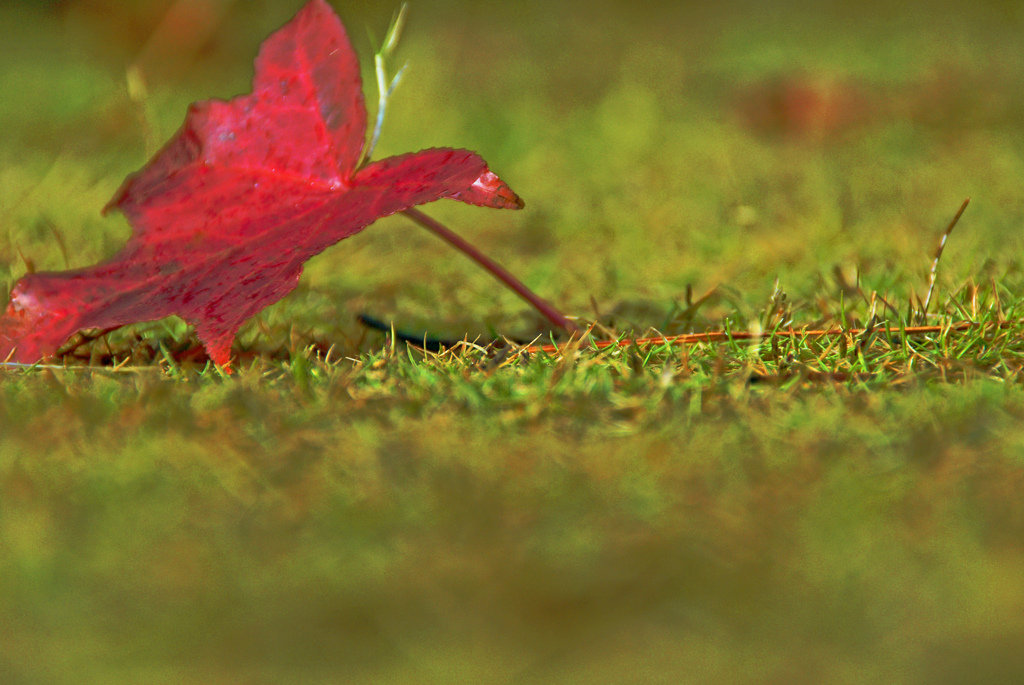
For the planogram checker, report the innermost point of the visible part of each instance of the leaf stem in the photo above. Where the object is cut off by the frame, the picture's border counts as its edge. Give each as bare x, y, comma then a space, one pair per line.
444, 233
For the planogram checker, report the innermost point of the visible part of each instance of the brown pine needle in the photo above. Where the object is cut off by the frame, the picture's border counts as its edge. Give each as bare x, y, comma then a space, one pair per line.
938, 256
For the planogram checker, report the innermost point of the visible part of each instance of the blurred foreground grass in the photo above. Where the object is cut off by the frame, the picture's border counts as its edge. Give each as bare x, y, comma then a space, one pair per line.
612, 517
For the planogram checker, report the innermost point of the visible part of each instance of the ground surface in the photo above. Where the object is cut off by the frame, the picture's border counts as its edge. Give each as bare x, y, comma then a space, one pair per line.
842, 509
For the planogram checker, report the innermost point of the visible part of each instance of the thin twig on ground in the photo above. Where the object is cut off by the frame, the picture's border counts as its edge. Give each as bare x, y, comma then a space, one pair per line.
726, 336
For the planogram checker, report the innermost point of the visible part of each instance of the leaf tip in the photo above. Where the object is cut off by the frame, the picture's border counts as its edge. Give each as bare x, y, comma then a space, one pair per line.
490, 191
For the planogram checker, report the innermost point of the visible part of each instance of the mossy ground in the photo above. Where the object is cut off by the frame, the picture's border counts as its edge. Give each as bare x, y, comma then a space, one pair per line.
843, 509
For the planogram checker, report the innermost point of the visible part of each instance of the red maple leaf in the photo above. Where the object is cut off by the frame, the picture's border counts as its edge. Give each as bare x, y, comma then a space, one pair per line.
227, 212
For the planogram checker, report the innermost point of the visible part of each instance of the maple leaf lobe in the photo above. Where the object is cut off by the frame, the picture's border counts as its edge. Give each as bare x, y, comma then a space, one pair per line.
227, 212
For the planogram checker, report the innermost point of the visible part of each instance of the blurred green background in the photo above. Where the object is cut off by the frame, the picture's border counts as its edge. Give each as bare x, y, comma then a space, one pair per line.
656, 145
401, 523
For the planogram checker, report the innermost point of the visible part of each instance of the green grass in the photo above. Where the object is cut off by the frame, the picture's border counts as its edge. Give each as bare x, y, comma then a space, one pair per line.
840, 509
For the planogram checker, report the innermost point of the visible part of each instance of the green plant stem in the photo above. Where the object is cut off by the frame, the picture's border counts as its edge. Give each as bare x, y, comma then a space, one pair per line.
550, 313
